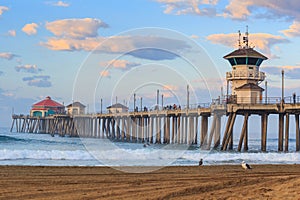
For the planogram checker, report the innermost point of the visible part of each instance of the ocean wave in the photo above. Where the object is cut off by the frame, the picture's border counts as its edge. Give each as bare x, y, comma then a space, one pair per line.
7, 154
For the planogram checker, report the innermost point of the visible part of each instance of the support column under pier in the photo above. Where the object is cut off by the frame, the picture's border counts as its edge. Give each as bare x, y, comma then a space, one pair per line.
280, 132
287, 131
204, 127
297, 133
217, 135
264, 128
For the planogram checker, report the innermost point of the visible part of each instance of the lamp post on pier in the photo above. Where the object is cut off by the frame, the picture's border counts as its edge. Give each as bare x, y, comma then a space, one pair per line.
101, 101
266, 92
157, 99
282, 86
134, 101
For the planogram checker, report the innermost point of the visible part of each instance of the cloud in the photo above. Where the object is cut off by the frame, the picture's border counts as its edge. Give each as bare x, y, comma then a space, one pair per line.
76, 28
7, 55
11, 33
38, 81
262, 41
30, 29
1, 73
197, 7
119, 64
170, 88
293, 31
146, 47
241, 10
28, 68
291, 72
153, 54
61, 4
105, 73
234, 9
194, 36
2, 9
82, 35
8, 94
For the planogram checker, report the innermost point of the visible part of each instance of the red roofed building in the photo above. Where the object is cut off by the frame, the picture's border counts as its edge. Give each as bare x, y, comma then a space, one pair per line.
46, 107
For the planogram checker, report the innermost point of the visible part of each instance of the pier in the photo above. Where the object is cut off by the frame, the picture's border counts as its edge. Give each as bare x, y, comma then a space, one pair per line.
172, 126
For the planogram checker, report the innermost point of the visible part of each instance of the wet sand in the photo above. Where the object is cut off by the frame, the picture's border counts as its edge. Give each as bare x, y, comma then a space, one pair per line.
205, 182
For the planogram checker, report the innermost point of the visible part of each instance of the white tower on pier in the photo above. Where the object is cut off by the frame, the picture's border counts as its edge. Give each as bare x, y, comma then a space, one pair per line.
245, 76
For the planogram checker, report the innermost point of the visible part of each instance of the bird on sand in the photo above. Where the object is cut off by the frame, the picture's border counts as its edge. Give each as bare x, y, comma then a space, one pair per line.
245, 165
200, 162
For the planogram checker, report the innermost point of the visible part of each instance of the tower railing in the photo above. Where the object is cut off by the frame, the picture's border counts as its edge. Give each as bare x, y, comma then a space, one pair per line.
245, 75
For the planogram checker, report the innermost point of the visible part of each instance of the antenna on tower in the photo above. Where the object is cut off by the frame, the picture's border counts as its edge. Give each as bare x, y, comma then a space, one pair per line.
246, 38
240, 46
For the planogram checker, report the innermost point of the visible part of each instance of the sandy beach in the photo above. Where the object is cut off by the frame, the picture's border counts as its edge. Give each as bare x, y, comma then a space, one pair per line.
205, 182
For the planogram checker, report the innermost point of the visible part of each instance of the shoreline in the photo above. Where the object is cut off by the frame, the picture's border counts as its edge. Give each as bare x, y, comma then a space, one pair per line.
176, 182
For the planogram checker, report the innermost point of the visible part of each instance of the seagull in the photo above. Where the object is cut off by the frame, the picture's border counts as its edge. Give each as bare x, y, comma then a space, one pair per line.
201, 162
245, 165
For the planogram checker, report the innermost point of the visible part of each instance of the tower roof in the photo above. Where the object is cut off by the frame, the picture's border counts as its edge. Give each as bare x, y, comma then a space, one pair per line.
117, 105
76, 104
250, 86
245, 52
48, 102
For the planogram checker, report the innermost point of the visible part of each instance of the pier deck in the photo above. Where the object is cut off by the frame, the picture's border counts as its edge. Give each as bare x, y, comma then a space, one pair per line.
179, 126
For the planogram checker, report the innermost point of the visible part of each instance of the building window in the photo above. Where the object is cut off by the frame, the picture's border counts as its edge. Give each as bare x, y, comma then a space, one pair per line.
241, 61
259, 61
232, 61
252, 61
251, 68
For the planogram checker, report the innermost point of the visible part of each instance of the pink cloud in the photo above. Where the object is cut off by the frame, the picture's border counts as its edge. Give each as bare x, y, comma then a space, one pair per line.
105, 73
293, 31
61, 4
241, 10
30, 29
181, 7
28, 68
3, 9
7, 55
120, 64
147, 47
262, 41
11, 33
76, 28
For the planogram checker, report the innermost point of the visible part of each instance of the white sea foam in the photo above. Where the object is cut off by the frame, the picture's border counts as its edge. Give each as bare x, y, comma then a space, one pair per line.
37, 149
7, 154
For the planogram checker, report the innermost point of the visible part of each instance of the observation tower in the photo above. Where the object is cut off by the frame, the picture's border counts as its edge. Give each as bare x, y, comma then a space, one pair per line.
245, 76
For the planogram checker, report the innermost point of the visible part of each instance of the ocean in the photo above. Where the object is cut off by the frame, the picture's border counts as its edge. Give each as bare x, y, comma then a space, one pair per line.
45, 150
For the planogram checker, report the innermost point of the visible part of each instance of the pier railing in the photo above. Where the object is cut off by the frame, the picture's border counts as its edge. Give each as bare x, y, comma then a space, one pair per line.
261, 100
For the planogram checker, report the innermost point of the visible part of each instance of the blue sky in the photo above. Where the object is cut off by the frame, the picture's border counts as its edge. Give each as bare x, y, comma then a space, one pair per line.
84, 50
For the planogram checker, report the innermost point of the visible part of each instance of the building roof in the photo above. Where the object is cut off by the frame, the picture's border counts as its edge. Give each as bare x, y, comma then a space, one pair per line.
48, 102
76, 104
40, 109
245, 52
117, 105
251, 86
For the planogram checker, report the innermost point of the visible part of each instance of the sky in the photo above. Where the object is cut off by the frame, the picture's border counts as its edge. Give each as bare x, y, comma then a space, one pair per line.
87, 50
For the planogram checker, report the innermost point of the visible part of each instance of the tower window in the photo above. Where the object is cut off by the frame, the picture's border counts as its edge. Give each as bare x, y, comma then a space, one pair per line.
232, 61
252, 61
241, 61
259, 61
250, 67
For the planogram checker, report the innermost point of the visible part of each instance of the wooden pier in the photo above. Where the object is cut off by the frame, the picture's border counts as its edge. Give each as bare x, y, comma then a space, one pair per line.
171, 126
